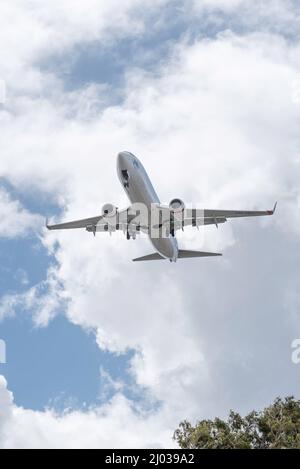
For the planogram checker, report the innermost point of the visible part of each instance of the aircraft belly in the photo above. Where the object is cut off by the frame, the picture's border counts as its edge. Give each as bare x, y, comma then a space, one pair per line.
141, 191
167, 247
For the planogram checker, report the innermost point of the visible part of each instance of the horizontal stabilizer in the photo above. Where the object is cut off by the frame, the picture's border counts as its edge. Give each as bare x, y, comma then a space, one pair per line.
182, 254
150, 257
185, 254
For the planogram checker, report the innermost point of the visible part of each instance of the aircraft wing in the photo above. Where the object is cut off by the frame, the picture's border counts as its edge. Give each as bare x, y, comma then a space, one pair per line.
237, 213
196, 217
122, 220
93, 221
215, 217
191, 217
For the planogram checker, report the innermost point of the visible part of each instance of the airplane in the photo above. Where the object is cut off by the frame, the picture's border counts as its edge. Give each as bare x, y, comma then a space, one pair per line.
162, 223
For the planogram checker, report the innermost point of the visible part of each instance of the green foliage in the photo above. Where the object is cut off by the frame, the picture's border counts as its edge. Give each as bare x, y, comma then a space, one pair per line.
277, 426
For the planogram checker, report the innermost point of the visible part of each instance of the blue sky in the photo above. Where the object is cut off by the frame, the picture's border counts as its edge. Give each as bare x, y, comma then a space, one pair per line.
59, 360
45, 369
202, 92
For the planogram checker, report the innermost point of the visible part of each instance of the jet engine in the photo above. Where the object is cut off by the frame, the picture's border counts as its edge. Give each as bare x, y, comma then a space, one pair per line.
109, 210
177, 205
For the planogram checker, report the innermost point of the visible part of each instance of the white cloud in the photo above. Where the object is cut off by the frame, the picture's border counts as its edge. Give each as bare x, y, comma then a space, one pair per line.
5, 405
270, 16
15, 220
224, 5
42, 301
216, 124
114, 425
56, 27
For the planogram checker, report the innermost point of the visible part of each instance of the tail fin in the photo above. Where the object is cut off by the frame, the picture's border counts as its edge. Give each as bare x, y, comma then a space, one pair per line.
182, 254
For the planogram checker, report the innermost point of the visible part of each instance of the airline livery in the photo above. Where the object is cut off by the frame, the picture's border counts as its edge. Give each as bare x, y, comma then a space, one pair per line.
146, 214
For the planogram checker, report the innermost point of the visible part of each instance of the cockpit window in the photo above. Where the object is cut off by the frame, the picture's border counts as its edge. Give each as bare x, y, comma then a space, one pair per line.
135, 164
125, 177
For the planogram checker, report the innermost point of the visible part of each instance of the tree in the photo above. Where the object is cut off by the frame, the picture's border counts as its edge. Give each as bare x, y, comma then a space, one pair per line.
277, 426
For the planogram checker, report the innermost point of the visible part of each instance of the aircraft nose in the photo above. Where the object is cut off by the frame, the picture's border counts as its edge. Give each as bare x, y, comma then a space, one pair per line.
123, 158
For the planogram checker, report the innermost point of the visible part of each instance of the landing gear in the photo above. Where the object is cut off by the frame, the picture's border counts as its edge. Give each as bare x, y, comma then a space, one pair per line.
172, 229
128, 235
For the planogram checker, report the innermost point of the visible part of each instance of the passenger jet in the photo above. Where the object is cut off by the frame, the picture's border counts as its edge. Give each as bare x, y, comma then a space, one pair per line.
146, 214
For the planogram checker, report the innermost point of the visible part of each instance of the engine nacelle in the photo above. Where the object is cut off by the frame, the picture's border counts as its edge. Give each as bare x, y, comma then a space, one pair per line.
177, 205
109, 210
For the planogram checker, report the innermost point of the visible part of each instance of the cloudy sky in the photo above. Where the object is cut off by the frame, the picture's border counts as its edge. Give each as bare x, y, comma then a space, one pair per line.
102, 352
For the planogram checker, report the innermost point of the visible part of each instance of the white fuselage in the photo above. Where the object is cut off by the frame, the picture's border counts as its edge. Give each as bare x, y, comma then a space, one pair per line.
140, 190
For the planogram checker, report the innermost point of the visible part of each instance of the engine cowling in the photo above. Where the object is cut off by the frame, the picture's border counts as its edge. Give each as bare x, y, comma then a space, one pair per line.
109, 210
177, 205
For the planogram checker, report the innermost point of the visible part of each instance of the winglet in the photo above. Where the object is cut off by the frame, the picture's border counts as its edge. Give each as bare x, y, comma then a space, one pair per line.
271, 212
